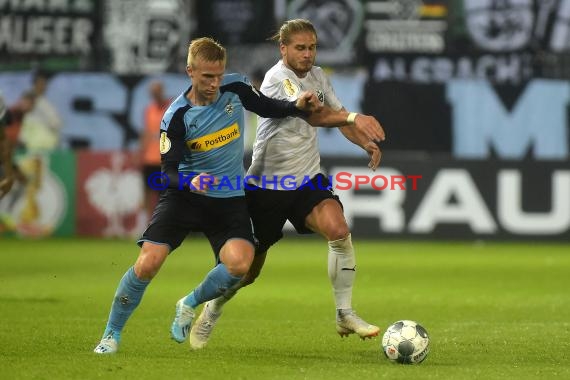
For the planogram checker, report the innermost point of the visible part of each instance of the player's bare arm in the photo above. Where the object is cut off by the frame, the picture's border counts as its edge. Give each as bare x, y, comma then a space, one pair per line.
368, 125
358, 137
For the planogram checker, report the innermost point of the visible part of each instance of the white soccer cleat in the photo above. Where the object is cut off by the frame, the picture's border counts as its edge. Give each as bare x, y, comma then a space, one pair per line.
182, 321
108, 345
350, 323
202, 329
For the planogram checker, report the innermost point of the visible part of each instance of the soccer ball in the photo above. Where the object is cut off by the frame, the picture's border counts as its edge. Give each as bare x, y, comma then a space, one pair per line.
406, 342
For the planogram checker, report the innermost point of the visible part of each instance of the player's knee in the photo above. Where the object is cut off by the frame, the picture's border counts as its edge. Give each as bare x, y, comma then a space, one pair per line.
238, 268
149, 262
338, 232
237, 256
145, 272
238, 265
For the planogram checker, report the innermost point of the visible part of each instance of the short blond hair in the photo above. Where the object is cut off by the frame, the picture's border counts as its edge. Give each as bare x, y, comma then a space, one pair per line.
207, 49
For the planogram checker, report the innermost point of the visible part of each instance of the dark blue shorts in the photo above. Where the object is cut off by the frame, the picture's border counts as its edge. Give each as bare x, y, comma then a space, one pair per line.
180, 212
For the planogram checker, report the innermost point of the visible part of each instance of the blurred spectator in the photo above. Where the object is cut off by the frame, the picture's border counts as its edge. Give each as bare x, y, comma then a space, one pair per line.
39, 136
17, 112
10, 121
12, 180
40, 127
6, 172
150, 140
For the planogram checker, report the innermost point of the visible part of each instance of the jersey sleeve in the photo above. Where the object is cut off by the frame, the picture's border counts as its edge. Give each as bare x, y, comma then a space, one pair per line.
254, 101
173, 146
279, 86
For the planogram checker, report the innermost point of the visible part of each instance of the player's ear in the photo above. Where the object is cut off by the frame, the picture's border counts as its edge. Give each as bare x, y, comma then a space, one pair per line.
282, 48
189, 70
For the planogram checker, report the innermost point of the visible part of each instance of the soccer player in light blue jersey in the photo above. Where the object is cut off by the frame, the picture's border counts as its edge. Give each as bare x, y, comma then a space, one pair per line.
201, 139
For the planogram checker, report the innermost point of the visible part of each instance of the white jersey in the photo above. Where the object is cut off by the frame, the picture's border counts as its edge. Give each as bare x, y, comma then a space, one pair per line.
289, 146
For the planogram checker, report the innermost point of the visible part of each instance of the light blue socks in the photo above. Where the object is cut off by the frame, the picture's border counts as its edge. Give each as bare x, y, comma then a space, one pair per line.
213, 286
127, 297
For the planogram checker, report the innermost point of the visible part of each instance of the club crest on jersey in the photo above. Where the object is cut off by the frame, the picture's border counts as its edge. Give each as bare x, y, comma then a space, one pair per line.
290, 88
164, 143
321, 96
229, 109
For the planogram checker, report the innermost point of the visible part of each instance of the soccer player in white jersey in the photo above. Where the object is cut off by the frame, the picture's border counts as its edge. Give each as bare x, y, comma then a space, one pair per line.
288, 147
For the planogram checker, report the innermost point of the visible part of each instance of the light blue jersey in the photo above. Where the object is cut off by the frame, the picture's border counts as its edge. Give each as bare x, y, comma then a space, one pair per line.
196, 139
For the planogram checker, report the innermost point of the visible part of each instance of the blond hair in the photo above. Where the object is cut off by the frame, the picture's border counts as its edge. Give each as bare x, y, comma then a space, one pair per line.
290, 27
207, 49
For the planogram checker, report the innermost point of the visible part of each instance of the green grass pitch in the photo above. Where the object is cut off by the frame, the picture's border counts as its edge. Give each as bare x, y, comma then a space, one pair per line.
493, 311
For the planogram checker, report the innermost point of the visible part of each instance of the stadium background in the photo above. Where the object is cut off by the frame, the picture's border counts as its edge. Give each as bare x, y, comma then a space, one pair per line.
473, 96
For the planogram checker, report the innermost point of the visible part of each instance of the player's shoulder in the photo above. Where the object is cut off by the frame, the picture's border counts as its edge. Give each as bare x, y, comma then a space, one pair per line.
234, 78
318, 72
178, 103
278, 72
279, 77
176, 112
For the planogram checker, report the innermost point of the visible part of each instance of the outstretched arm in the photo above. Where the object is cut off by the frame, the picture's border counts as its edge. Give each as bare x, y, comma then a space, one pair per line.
254, 101
367, 125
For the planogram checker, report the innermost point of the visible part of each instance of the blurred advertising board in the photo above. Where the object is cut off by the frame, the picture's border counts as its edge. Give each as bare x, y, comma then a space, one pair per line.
109, 194
469, 118
147, 36
476, 78
338, 24
56, 35
43, 205
411, 196
236, 22
428, 197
